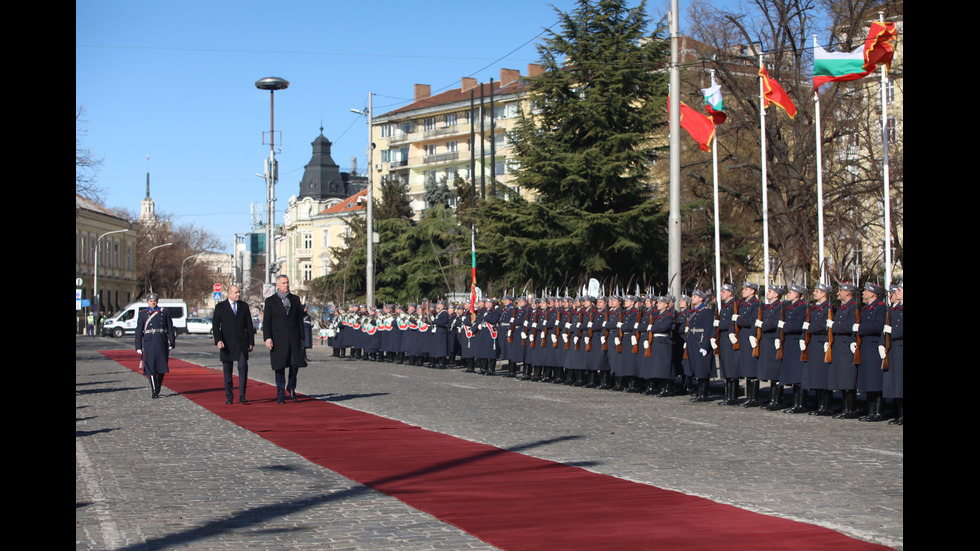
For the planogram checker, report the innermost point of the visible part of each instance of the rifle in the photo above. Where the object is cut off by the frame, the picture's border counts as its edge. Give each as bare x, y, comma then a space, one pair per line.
782, 334
650, 333
735, 345
619, 347
828, 355
857, 336
888, 340
758, 334
588, 346
636, 347
805, 354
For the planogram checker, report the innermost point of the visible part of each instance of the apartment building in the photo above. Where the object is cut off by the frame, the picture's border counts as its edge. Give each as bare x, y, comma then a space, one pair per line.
442, 135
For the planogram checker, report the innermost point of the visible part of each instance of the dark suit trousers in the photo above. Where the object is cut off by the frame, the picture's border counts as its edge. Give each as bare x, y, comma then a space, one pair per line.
242, 377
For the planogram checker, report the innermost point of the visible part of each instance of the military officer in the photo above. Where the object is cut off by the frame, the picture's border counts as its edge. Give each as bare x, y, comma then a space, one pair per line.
770, 345
727, 337
699, 321
842, 375
892, 383
748, 361
872, 324
791, 369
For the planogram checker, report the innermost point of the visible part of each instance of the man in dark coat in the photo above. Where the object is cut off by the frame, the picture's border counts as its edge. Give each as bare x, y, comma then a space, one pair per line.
234, 336
283, 334
155, 337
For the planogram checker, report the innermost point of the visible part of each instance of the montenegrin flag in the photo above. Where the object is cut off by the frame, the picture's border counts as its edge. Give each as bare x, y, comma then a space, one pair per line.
837, 66
713, 102
772, 92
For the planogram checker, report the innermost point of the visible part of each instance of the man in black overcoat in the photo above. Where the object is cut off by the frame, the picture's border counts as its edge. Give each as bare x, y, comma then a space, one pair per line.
283, 334
234, 335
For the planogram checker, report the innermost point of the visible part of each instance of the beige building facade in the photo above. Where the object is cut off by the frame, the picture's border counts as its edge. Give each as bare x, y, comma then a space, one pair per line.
105, 246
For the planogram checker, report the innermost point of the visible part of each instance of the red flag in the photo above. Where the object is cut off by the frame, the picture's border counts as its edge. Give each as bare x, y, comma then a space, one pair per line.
698, 125
879, 47
772, 92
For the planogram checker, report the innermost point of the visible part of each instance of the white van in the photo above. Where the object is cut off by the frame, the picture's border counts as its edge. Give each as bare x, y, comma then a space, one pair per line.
124, 323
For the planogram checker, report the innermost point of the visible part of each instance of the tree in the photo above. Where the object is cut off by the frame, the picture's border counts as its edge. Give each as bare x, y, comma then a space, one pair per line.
87, 165
586, 149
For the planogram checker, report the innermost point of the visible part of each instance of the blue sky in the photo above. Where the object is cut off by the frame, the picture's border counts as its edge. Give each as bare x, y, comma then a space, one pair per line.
175, 82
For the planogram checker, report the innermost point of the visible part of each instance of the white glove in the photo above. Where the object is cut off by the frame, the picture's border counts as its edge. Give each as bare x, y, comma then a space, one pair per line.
589, 326
633, 340
732, 337
714, 343
636, 326
587, 340
602, 340
649, 328
881, 352
616, 341
714, 323
646, 344
534, 325
554, 339
619, 325
564, 337
568, 325
777, 343
523, 336
826, 345
685, 346
758, 323
140, 352
854, 346
575, 341
753, 341
734, 317
806, 325
802, 345
855, 327
704, 352
686, 328
780, 324
888, 329
830, 324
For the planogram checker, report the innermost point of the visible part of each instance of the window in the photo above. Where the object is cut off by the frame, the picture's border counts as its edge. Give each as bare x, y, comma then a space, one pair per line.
451, 146
450, 120
890, 92
307, 270
430, 149
307, 241
387, 130
429, 123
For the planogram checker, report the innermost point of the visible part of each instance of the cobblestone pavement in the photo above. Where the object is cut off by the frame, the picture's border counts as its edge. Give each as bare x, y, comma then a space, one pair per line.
162, 474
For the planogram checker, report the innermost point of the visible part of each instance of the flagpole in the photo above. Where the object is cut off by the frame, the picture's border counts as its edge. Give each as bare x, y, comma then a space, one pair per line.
714, 175
887, 190
816, 115
765, 193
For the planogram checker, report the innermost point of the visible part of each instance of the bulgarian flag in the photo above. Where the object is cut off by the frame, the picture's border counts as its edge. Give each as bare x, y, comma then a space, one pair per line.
837, 66
879, 47
713, 102
772, 92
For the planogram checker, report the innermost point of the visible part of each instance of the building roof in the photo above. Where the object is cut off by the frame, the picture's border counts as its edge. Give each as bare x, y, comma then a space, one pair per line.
350, 204
90, 205
461, 94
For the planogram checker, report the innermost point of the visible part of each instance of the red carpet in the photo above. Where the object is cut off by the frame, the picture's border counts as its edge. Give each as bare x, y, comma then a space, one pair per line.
507, 499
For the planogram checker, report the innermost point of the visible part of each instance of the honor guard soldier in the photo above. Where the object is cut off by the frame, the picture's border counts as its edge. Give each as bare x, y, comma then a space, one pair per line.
155, 337
440, 342
870, 375
727, 336
891, 348
816, 368
700, 320
794, 343
749, 309
659, 363
843, 370
770, 345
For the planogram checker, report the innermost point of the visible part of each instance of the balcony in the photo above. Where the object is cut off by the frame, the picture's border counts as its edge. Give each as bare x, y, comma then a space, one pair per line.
441, 157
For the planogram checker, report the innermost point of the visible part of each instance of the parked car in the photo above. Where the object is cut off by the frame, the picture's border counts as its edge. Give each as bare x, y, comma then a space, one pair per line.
200, 326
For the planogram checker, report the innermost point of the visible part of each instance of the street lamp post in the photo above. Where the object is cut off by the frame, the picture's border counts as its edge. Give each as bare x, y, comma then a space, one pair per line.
148, 283
271, 168
369, 276
95, 278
